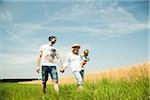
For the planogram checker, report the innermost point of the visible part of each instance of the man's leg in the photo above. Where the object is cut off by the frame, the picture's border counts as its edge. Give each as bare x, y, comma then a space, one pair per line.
44, 86
44, 78
54, 77
56, 87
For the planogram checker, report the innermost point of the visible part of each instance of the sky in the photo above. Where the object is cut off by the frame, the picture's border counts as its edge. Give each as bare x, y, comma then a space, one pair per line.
116, 33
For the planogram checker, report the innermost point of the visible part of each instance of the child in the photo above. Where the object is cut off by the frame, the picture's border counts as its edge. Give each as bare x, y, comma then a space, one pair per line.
85, 59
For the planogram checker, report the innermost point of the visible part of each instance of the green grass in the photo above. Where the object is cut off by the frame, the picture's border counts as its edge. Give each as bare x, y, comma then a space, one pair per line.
104, 89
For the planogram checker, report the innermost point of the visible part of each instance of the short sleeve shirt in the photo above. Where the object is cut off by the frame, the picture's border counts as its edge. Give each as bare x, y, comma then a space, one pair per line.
49, 54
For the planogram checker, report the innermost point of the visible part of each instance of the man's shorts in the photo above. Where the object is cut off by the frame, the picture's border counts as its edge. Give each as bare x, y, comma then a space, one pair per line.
46, 70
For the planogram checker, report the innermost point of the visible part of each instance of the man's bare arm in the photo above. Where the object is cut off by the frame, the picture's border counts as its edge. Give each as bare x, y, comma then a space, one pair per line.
39, 61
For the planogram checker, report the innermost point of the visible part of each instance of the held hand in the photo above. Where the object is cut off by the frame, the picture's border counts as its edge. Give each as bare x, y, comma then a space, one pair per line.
62, 69
37, 69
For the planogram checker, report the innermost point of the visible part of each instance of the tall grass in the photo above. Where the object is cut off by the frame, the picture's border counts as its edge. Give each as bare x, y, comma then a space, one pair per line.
135, 86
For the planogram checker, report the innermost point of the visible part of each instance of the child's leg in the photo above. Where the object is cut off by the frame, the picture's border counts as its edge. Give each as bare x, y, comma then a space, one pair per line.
82, 74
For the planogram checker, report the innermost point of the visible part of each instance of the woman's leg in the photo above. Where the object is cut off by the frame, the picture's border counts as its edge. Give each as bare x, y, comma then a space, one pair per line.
78, 79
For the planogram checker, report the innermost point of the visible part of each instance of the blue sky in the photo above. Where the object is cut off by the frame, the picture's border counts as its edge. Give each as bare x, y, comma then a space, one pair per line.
115, 32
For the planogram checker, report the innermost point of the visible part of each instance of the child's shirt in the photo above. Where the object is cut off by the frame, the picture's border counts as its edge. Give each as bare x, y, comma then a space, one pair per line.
84, 58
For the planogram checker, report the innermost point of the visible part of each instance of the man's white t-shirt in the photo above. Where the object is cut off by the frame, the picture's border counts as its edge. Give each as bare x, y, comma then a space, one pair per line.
50, 55
74, 61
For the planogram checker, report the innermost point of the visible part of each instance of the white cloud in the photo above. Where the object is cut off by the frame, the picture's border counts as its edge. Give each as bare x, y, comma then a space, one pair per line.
108, 19
98, 19
6, 15
103, 19
17, 59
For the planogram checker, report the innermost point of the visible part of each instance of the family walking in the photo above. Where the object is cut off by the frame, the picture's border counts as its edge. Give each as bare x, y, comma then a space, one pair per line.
48, 59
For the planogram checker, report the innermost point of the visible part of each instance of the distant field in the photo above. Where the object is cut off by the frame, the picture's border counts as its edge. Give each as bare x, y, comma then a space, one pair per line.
127, 83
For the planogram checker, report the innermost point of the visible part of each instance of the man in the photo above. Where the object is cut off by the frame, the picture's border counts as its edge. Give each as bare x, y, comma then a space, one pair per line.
48, 58
75, 61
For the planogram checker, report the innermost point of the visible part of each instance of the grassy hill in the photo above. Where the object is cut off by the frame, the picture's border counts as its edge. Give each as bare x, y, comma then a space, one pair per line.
126, 83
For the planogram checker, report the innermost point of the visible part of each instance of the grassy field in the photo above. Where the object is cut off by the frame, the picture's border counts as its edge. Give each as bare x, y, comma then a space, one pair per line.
130, 83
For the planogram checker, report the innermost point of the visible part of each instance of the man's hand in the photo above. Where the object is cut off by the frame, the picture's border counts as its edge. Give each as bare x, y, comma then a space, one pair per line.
62, 69
38, 69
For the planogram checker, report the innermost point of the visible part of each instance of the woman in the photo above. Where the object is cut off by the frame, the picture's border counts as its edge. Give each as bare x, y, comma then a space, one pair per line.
75, 61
